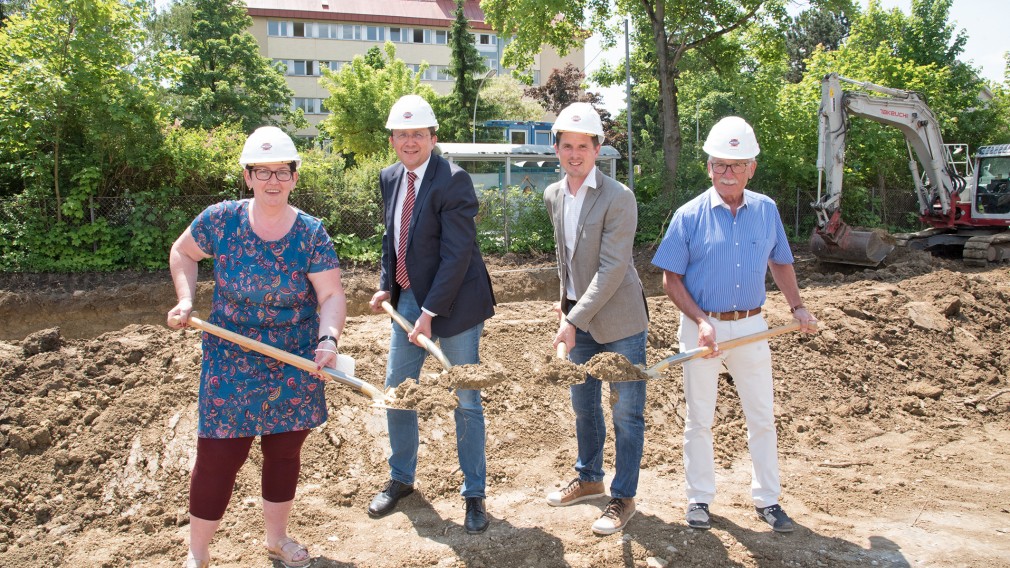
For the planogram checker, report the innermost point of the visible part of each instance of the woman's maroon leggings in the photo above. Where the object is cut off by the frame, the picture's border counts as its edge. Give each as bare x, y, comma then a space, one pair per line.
219, 459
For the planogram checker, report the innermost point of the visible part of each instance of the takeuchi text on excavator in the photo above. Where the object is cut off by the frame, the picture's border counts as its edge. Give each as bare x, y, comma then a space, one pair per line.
969, 209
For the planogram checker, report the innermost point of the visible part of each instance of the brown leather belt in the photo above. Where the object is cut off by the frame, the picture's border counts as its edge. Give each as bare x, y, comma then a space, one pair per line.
733, 316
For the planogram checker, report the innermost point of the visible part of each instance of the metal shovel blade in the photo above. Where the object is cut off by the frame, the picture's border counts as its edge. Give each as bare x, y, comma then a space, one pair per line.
861, 248
656, 370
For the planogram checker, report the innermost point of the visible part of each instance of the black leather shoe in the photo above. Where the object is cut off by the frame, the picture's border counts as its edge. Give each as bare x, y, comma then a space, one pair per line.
384, 503
476, 516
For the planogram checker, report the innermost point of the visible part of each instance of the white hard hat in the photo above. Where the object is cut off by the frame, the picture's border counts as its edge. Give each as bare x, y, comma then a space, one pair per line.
411, 111
269, 145
579, 117
732, 139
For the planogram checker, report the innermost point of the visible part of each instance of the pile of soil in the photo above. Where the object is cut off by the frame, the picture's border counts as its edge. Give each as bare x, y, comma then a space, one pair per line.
893, 433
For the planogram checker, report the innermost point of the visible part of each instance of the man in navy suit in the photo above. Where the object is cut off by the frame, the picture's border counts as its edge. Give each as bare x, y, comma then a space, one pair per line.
433, 273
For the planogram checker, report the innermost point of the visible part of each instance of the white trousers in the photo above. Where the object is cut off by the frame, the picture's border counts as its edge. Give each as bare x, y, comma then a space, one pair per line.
751, 369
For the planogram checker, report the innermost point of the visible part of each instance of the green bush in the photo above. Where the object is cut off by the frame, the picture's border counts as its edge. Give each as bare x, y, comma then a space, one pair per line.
514, 222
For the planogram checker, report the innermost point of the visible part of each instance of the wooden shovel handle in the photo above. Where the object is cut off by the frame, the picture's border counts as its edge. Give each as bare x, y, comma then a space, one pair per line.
723, 346
428, 344
290, 358
562, 350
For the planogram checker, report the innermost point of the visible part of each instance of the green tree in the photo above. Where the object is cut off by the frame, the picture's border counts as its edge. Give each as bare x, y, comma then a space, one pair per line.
10, 7
374, 58
75, 122
502, 98
466, 65
676, 29
360, 99
228, 80
819, 25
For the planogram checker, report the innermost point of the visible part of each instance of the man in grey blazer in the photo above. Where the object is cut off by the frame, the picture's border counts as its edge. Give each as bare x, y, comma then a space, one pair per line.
602, 309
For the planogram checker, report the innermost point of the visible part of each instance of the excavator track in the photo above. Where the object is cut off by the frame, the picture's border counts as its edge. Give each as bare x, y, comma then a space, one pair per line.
985, 249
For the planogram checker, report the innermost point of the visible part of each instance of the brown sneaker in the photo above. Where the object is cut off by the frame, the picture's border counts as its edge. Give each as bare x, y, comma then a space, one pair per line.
615, 517
576, 491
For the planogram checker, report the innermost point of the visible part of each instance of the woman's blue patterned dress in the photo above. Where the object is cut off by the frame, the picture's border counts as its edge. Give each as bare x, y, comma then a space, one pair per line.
261, 291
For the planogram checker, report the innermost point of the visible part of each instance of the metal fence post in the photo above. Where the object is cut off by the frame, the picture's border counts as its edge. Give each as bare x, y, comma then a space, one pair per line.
796, 222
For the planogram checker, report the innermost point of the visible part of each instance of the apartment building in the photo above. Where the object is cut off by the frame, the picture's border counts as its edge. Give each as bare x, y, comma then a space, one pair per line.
310, 35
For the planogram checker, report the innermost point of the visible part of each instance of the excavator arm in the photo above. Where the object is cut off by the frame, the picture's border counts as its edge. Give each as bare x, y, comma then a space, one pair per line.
833, 239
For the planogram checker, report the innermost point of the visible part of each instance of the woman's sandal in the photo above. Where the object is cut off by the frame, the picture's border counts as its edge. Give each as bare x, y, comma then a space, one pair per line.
287, 550
194, 563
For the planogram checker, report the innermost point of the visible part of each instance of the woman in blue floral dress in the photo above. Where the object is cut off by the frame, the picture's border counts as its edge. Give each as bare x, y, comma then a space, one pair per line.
276, 280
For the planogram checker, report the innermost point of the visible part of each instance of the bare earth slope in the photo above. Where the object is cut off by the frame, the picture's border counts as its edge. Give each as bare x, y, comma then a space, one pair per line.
893, 426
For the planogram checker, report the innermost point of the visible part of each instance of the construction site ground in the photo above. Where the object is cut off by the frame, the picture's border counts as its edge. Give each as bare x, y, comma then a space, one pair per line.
892, 421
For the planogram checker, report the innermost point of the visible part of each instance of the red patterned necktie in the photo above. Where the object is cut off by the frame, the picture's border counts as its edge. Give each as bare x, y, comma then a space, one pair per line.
401, 249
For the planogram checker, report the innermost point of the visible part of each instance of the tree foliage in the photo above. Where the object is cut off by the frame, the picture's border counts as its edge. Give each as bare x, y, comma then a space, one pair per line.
820, 25
675, 28
74, 120
360, 99
228, 80
503, 98
562, 88
11, 7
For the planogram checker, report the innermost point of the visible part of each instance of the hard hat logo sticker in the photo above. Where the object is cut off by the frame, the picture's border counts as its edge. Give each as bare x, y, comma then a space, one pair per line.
408, 115
734, 142
266, 147
576, 118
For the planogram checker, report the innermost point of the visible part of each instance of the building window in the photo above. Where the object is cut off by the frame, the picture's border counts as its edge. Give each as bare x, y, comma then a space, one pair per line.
303, 67
327, 31
350, 32
375, 33
417, 35
491, 62
394, 35
299, 29
486, 39
278, 28
441, 37
331, 65
308, 105
517, 136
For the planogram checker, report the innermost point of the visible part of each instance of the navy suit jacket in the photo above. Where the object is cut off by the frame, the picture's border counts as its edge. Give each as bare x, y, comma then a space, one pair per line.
447, 273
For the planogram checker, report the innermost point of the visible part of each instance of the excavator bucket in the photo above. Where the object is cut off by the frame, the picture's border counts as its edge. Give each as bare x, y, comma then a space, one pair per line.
861, 248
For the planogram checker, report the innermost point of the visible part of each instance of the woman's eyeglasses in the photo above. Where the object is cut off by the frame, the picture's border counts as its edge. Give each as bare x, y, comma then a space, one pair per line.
265, 175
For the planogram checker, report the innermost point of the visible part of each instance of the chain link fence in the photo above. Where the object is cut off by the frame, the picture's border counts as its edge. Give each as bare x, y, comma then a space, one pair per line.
512, 221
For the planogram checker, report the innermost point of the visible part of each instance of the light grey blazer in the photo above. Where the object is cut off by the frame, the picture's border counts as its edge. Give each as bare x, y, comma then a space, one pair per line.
611, 301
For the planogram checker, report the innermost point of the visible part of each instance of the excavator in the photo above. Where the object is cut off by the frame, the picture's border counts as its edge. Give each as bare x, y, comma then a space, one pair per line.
969, 209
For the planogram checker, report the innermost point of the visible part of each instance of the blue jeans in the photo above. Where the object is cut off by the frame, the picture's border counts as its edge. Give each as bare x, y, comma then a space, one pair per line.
628, 411
405, 361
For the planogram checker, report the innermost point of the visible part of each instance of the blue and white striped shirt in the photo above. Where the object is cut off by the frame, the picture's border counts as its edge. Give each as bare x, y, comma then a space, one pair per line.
723, 258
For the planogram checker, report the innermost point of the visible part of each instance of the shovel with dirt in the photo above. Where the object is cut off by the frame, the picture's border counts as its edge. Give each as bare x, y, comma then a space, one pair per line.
343, 374
467, 377
613, 367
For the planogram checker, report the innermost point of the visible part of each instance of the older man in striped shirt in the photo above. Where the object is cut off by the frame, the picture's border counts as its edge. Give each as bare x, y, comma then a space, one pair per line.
715, 255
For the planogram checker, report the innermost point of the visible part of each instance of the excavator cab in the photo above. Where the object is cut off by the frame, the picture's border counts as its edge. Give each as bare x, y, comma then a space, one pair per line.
992, 195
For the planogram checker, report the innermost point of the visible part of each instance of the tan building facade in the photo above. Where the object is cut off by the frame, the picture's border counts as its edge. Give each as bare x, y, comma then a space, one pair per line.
309, 35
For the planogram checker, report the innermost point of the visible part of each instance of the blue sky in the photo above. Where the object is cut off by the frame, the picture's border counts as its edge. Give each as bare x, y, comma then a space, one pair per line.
983, 20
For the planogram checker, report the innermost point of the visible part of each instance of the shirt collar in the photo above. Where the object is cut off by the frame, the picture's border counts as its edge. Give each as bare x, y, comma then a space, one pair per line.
419, 171
715, 200
590, 182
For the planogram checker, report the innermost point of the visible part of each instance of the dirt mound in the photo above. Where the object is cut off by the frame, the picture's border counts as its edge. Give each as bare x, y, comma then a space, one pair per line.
893, 429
